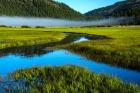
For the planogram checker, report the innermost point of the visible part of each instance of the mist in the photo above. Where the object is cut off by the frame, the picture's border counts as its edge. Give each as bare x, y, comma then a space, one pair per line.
32, 21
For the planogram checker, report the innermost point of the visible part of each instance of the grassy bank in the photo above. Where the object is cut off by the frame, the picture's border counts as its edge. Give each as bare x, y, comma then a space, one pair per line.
122, 49
126, 59
70, 79
11, 37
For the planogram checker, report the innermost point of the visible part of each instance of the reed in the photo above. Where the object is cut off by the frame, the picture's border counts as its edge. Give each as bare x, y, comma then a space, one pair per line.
70, 79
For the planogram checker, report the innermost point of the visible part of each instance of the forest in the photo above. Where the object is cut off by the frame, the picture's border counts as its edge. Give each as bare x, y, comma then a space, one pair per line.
38, 8
127, 8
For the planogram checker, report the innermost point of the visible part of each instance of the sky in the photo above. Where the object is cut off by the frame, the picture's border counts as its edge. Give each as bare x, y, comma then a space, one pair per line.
84, 6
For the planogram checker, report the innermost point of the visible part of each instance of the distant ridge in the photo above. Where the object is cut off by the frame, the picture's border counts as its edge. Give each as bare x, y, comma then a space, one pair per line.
52, 9
127, 8
38, 8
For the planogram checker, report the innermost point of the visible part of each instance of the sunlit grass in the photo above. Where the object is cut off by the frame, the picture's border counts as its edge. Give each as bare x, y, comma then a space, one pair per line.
122, 49
70, 79
11, 38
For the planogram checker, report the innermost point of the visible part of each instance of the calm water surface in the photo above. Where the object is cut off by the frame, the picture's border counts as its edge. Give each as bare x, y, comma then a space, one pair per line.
27, 58
81, 40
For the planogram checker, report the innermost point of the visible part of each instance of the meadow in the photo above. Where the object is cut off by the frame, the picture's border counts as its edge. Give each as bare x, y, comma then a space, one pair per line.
120, 47
13, 37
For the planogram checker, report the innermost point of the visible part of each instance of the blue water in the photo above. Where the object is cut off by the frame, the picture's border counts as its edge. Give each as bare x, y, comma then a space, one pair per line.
11, 63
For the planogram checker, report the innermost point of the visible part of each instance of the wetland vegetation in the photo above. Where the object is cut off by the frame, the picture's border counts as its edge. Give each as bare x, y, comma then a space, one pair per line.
116, 45
70, 79
14, 38
120, 45
55, 46
122, 49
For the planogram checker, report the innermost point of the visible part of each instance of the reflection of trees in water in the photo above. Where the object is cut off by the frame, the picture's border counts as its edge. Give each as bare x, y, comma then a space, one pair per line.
28, 51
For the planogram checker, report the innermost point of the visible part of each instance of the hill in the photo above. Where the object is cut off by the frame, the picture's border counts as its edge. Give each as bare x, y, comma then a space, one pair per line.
38, 8
128, 8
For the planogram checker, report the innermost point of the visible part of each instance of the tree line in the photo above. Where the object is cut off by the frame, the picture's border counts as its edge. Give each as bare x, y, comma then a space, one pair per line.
37, 8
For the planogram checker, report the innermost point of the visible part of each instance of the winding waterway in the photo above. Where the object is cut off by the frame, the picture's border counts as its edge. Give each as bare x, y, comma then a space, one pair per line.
27, 57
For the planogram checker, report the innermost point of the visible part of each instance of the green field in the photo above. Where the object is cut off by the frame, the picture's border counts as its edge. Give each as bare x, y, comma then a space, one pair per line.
10, 37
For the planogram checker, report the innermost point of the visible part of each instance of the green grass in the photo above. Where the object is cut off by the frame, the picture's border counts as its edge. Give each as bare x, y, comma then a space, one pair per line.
70, 79
123, 49
10, 37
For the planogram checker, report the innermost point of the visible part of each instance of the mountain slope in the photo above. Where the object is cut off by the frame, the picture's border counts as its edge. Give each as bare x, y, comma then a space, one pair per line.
37, 8
128, 8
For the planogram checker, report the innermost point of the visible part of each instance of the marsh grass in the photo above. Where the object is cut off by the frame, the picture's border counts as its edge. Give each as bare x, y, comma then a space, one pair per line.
121, 49
127, 59
16, 38
70, 79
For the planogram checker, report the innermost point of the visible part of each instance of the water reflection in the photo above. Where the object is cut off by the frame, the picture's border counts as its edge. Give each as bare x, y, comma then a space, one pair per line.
16, 58
81, 40
40, 49
28, 51
13, 62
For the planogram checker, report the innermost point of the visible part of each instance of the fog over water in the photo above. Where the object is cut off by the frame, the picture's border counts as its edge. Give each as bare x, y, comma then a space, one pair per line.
32, 21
